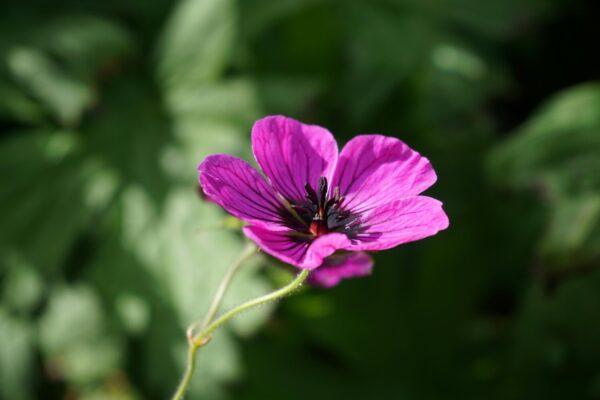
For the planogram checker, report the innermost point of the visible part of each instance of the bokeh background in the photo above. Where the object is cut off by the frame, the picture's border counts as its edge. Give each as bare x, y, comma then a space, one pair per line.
107, 250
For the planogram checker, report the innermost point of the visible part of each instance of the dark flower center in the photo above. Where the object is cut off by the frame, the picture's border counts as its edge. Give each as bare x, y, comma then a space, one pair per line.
321, 212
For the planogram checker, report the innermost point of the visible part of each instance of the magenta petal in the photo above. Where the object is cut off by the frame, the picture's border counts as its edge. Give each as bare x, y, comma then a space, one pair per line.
400, 221
343, 266
240, 190
292, 154
373, 170
293, 250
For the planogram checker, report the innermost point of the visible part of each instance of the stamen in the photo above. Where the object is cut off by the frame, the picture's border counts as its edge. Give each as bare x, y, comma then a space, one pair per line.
335, 199
322, 192
321, 212
289, 207
311, 194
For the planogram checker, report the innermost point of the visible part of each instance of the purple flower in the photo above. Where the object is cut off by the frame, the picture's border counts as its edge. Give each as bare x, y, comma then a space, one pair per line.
315, 202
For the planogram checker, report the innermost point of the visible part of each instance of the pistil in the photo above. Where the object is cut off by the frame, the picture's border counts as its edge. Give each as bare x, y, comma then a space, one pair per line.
321, 207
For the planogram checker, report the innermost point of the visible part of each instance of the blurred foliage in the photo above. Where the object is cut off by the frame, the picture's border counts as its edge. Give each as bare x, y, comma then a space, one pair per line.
557, 154
107, 251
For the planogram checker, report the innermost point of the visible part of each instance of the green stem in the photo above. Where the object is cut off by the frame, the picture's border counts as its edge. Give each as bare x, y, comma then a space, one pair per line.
195, 342
189, 371
248, 252
279, 293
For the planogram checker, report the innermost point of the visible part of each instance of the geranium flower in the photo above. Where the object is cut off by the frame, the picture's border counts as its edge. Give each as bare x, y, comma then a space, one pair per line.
320, 210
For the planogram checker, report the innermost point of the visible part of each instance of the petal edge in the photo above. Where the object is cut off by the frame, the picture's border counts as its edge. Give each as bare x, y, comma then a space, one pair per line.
301, 254
400, 221
373, 170
336, 268
237, 187
292, 154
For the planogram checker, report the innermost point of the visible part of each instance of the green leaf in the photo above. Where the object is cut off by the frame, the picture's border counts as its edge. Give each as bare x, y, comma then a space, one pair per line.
23, 285
557, 154
134, 313
230, 101
557, 148
16, 357
196, 43
86, 44
15, 105
387, 47
573, 226
75, 339
53, 195
59, 91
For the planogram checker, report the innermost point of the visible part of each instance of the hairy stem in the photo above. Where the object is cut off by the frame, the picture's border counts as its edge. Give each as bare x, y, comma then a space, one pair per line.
277, 294
248, 252
189, 371
208, 327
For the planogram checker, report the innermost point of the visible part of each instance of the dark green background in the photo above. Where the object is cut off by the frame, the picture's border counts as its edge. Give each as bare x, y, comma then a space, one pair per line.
107, 252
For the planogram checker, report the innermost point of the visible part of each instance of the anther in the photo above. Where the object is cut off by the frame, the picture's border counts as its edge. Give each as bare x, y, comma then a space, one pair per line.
322, 194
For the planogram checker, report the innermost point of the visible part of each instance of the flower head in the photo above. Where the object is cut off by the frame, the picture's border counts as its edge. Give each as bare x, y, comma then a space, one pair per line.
315, 202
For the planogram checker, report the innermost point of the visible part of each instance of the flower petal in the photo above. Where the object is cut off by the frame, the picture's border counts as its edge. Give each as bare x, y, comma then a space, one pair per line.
240, 190
300, 252
373, 170
292, 154
400, 221
343, 266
